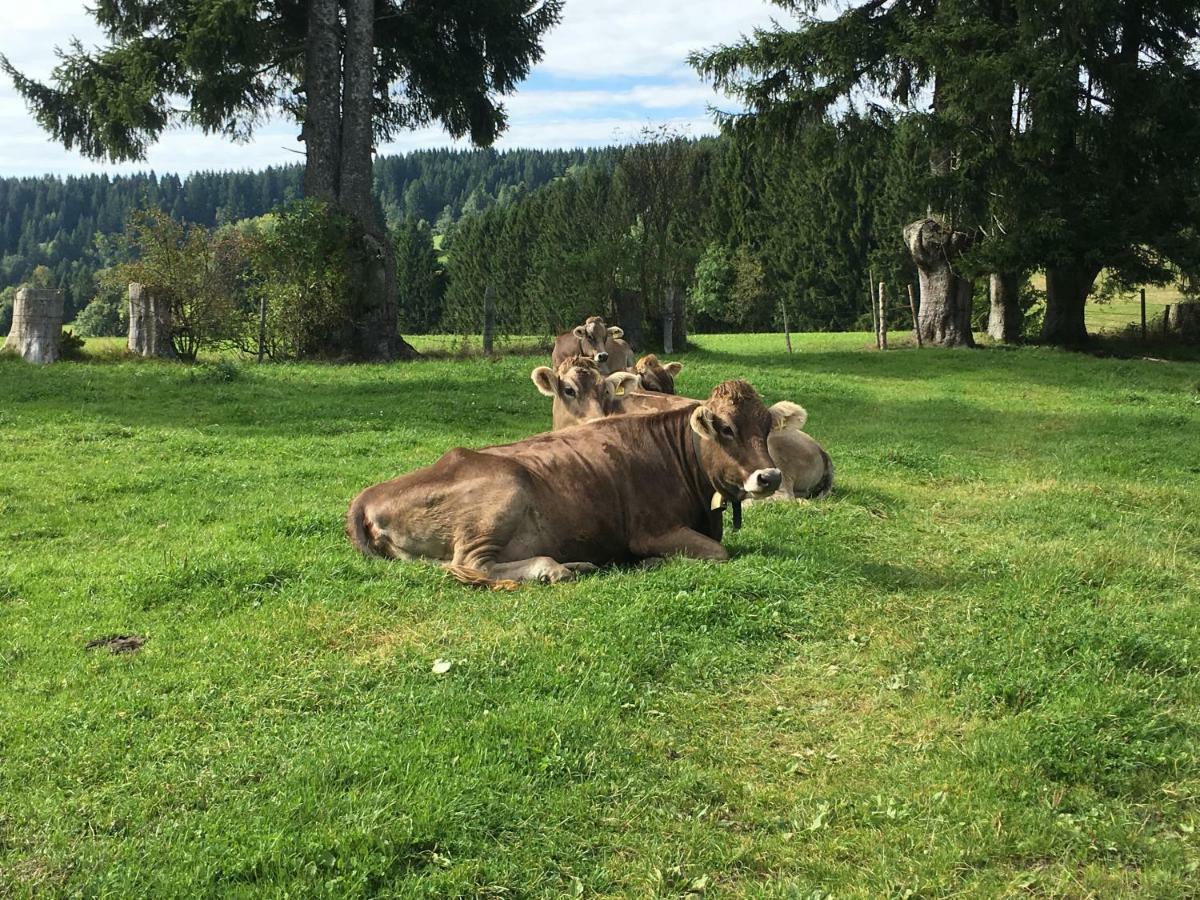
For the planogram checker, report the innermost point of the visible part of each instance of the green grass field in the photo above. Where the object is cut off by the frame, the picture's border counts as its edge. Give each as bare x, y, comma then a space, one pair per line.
973, 671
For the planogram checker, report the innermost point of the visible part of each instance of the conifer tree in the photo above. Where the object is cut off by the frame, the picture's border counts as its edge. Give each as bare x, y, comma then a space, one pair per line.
1059, 137
351, 72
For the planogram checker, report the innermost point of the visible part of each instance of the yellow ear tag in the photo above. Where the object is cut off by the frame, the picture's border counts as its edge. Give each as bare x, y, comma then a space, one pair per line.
620, 391
718, 502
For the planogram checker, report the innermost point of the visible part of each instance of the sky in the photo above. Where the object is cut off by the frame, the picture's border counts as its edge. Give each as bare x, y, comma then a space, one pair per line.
611, 68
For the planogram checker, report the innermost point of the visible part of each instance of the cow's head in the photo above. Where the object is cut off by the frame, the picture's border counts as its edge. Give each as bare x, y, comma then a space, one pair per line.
656, 376
580, 392
732, 426
593, 336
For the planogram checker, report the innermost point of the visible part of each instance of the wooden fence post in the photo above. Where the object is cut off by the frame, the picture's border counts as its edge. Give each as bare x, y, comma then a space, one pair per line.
787, 330
1142, 292
669, 320
871, 303
489, 319
882, 318
262, 327
912, 306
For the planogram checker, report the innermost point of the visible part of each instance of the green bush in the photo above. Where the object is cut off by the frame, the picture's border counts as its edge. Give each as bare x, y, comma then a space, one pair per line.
106, 316
70, 345
299, 257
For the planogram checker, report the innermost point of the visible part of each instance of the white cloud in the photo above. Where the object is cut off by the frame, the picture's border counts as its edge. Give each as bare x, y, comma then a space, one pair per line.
599, 38
611, 68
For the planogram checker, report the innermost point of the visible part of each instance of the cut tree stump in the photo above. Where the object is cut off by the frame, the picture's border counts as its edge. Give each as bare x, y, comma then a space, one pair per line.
1183, 319
36, 333
149, 322
944, 318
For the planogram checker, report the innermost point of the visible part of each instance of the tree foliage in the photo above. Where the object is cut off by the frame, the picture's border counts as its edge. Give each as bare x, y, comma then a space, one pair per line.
1066, 137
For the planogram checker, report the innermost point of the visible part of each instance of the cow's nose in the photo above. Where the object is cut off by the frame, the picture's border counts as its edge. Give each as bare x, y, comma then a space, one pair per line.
769, 479
601, 357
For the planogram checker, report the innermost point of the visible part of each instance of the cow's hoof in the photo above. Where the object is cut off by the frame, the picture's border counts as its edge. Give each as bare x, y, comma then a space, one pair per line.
582, 568
650, 562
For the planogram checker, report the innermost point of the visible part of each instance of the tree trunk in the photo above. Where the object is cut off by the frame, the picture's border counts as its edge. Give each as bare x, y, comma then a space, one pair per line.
1005, 319
358, 72
627, 313
149, 323
944, 318
678, 299
1067, 289
36, 332
338, 135
372, 328
1183, 319
668, 320
322, 101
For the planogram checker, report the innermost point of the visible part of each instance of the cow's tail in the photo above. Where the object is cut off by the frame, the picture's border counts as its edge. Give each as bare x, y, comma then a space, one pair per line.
356, 528
825, 486
476, 578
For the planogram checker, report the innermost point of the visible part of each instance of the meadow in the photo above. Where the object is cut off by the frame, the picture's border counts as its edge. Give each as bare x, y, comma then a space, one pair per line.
972, 671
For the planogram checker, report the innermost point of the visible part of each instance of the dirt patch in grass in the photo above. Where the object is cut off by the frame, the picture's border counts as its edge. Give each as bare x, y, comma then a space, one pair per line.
117, 643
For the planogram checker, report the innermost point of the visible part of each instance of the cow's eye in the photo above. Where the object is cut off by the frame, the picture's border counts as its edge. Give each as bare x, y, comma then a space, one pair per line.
569, 391
726, 431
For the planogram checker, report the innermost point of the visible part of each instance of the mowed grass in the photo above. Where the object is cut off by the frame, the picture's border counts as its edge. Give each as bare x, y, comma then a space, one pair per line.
973, 671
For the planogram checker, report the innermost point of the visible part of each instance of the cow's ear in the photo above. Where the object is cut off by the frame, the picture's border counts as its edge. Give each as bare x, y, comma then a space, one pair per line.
615, 332
621, 382
674, 368
787, 415
703, 423
545, 380
580, 331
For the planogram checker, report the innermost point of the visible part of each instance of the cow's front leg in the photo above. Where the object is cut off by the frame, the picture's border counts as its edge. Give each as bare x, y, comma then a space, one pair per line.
537, 568
680, 542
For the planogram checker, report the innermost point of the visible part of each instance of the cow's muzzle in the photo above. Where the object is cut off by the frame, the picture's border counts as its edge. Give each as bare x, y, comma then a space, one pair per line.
763, 481
601, 357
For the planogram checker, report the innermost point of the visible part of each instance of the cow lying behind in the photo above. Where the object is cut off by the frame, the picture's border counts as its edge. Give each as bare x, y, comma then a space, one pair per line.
581, 394
595, 340
656, 376
553, 505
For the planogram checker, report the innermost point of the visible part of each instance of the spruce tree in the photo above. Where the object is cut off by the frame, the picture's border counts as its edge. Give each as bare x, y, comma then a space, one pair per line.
1057, 137
351, 72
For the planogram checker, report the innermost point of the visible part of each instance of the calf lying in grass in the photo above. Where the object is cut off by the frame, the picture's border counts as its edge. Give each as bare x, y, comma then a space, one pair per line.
620, 489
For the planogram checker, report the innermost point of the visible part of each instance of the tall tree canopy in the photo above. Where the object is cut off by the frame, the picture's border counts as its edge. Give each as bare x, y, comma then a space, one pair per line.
351, 72
1059, 137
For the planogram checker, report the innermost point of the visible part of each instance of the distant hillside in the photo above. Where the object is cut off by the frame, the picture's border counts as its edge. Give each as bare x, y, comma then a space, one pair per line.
54, 222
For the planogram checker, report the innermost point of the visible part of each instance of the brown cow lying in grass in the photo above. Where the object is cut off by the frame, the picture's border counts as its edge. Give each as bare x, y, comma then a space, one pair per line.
581, 393
595, 340
619, 489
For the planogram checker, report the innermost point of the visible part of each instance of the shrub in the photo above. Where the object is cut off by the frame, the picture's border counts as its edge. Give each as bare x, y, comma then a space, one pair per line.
70, 346
107, 315
299, 259
199, 273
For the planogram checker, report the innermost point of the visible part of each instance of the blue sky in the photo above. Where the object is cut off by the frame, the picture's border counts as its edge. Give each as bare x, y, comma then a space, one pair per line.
611, 68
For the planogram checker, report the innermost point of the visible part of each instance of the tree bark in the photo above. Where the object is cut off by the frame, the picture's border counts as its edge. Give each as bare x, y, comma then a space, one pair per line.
322, 101
372, 328
944, 318
628, 312
1183, 319
149, 323
358, 71
1005, 319
36, 334
338, 134
677, 298
1067, 289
